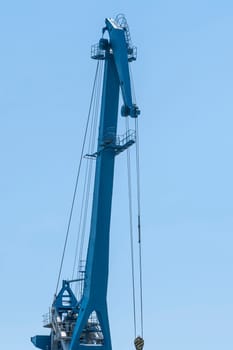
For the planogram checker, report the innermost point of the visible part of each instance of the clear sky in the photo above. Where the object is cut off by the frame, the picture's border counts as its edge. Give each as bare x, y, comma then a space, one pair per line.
184, 85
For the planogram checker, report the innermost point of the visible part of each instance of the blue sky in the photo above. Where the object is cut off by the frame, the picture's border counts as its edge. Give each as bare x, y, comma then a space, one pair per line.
183, 80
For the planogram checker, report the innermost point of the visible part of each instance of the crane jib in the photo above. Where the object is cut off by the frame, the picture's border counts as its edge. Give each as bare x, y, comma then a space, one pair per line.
78, 324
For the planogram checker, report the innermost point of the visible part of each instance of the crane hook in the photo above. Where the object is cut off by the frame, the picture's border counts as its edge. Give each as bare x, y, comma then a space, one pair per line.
139, 343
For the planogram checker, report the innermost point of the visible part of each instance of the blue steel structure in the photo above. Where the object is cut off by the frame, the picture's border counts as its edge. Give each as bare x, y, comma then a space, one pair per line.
83, 324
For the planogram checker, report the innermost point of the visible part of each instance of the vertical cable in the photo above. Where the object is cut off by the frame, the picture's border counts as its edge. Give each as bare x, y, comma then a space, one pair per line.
139, 224
131, 232
138, 206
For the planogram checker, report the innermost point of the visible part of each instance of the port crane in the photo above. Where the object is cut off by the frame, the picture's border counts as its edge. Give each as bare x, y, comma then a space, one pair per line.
84, 324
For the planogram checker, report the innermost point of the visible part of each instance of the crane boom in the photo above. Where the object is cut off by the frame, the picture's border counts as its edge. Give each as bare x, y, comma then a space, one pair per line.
71, 323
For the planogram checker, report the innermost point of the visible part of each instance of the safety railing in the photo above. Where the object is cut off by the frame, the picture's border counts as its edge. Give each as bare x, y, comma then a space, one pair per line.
97, 53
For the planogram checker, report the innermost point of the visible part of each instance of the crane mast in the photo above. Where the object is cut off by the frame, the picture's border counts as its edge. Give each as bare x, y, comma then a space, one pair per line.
83, 324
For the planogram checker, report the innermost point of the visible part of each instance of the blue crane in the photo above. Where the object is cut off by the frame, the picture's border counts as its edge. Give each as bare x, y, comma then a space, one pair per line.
81, 324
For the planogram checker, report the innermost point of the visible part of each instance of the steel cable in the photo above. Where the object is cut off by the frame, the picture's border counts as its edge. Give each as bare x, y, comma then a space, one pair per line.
139, 224
131, 232
138, 206
76, 182
87, 179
